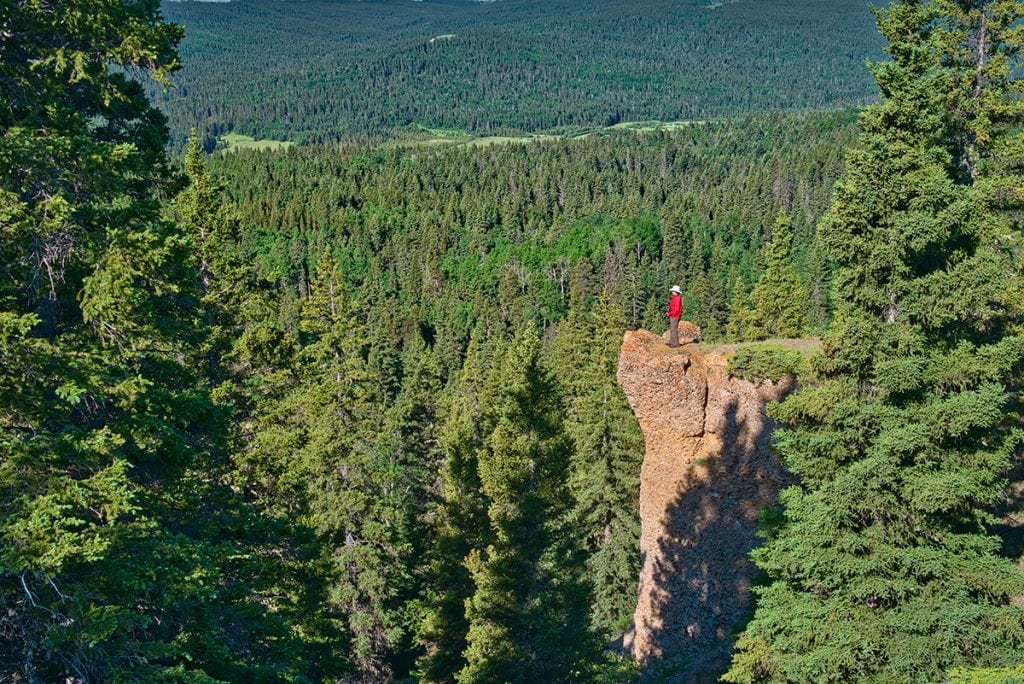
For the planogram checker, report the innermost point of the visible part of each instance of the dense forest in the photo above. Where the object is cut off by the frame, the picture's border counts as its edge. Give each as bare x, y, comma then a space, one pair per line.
313, 71
348, 412
454, 234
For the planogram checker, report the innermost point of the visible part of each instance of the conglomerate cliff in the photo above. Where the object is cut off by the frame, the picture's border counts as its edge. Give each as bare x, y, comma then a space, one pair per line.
707, 473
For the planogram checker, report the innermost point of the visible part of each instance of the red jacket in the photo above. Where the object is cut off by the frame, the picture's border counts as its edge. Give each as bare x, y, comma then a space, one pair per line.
675, 306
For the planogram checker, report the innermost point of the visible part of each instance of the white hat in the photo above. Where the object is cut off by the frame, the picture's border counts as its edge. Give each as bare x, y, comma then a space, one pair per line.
676, 289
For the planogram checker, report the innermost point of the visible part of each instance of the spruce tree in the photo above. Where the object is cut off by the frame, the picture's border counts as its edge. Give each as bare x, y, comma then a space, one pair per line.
121, 552
353, 488
203, 215
675, 245
740, 313
458, 521
604, 475
527, 619
654, 318
569, 352
818, 305
249, 358
881, 565
409, 451
778, 301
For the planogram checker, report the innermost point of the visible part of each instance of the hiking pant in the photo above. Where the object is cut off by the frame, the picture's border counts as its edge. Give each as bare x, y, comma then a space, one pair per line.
673, 334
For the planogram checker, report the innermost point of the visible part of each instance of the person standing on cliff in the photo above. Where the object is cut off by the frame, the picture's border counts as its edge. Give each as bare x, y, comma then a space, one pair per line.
675, 312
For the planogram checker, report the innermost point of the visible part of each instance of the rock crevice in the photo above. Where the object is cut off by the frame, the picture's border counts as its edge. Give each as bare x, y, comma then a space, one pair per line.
707, 473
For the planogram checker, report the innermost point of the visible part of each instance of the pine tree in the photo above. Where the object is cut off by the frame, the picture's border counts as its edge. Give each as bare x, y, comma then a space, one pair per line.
604, 476
574, 338
676, 243
526, 615
654, 318
408, 447
818, 306
740, 313
202, 213
779, 300
352, 487
459, 521
881, 566
120, 548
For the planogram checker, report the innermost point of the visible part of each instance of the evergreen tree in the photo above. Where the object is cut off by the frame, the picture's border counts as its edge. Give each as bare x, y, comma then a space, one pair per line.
203, 215
740, 313
459, 522
676, 244
409, 451
569, 352
654, 318
251, 360
527, 613
779, 300
709, 292
604, 476
353, 489
123, 556
881, 566
818, 306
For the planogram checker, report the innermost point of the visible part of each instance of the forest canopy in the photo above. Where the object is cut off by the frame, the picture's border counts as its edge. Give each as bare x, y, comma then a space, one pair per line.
328, 71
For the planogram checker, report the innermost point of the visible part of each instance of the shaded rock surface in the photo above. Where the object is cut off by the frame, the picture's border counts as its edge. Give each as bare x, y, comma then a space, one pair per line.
707, 473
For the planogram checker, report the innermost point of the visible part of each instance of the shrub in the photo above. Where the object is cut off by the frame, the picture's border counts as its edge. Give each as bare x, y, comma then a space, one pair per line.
758, 362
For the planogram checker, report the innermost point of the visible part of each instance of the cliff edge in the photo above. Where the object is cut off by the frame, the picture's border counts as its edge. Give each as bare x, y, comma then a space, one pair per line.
707, 473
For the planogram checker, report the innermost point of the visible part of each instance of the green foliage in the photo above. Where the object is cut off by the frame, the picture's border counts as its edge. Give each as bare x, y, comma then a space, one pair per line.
988, 676
417, 272
276, 428
605, 465
459, 522
759, 362
502, 70
124, 557
883, 568
525, 617
514, 237
356, 466
739, 312
605, 462
778, 301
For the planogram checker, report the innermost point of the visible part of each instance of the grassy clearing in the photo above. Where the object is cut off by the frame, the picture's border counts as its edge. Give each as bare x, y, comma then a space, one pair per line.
510, 139
419, 135
236, 141
422, 135
649, 126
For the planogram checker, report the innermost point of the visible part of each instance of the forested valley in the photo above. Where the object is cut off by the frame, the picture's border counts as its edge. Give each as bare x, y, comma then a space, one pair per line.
314, 71
348, 412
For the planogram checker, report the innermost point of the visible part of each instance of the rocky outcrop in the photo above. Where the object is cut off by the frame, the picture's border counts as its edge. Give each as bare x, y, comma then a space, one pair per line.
706, 475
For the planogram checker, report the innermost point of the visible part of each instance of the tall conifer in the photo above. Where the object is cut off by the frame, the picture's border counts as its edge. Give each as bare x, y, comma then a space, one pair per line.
458, 521
881, 566
337, 409
778, 301
119, 544
526, 615
604, 475
740, 313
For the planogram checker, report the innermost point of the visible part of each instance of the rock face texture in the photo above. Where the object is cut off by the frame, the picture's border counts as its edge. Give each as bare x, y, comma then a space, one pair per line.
707, 474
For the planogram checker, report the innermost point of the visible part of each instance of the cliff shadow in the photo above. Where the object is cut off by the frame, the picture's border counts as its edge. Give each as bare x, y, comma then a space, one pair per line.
703, 577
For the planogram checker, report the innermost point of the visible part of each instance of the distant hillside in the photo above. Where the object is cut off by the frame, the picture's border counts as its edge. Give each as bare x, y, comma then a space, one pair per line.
323, 71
